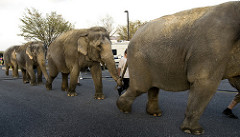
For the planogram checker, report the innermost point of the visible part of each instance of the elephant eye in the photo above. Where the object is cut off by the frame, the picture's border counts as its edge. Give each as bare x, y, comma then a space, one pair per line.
99, 46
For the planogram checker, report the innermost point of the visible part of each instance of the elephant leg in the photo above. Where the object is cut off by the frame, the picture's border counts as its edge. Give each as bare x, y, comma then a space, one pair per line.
30, 71
49, 82
73, 81
152, 104
25, 77
124, 102
52, 74
15, 71
64, 82
97, 79
201, 92
28, 77
7, 70
39, 75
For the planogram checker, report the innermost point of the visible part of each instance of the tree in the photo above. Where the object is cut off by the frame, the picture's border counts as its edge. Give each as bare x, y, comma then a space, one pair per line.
133, 27
36, 27
107, 22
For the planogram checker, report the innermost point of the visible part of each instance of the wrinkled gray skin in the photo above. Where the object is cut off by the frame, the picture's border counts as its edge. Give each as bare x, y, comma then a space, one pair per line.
76, 50
190, 50
10, 61
31, 56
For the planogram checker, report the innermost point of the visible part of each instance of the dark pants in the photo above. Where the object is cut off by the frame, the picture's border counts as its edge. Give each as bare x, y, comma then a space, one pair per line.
124, 86
125, 83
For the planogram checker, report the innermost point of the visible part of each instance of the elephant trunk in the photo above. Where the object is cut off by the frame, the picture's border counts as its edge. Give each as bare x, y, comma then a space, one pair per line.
109, 61
43, 68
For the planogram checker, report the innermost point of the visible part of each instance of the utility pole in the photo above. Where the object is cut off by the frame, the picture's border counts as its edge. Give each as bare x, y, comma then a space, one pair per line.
126, 11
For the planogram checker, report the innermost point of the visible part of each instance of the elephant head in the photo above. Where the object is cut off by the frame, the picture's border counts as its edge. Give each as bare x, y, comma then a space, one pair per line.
35, 52
96, 46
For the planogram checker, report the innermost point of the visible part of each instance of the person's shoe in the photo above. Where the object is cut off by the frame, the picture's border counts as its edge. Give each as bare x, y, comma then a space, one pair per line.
228, 112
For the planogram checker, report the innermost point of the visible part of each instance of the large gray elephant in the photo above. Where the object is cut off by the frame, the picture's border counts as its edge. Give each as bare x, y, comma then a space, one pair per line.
190, 50
10, 60
31, 56
77, 50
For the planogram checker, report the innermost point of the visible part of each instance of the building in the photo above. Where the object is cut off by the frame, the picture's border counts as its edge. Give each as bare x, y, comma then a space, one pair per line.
118, 49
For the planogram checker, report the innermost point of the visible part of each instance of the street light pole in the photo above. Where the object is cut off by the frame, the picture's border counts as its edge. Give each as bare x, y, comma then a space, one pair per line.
126, 11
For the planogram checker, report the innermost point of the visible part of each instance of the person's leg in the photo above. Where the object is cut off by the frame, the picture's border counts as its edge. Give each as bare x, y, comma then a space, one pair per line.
79, 78
126, 83
234, 102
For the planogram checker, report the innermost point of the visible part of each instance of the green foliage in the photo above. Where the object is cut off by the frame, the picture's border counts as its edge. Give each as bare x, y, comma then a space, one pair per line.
46, 29
133, 27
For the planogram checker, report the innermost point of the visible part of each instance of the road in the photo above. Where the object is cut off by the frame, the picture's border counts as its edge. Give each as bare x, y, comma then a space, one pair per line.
32, 111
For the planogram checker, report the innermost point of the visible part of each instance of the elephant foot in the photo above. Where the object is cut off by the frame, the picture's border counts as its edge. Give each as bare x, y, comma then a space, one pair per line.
156, 113
15, 76
99, 96
39, 82
198, 131
48, 86
153, 109
191, 128
33, 84
72, 94
124, 104
64, 88
26, 81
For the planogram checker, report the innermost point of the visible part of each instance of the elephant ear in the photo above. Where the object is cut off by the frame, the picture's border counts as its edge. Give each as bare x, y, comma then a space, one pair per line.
82, 44
29, 53
14, 53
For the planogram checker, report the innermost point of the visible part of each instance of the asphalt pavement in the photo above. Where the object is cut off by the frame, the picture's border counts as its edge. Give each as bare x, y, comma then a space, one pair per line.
33, 111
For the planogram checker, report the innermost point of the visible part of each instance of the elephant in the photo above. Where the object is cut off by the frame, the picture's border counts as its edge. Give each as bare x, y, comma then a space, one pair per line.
31, 56
10, 61
190, 50
77, 50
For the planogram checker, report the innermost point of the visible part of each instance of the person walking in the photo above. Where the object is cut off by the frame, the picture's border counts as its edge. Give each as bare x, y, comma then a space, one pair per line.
125, 78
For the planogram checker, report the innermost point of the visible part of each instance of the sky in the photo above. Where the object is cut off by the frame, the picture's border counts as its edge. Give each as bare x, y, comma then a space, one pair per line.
86, 13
